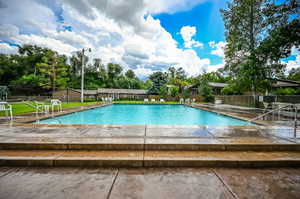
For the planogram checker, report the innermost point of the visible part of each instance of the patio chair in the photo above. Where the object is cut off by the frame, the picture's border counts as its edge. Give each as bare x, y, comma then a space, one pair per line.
146, 100
187, 100
7, 108
193, 100
218, 101
181, 100
162, 100
152, 100
56, 103
40, 107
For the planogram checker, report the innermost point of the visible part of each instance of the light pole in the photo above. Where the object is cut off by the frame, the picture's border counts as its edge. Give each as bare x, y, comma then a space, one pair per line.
82, 74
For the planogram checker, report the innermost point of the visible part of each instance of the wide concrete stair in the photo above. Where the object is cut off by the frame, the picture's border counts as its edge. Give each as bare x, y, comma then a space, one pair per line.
140, 152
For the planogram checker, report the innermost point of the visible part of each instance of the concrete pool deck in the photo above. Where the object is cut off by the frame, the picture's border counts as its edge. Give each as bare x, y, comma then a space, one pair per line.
148, 146
27, 144
159, 183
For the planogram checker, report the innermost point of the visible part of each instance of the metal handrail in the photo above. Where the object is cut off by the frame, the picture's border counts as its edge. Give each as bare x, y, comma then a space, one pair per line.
35, 107
264, 114
293, 107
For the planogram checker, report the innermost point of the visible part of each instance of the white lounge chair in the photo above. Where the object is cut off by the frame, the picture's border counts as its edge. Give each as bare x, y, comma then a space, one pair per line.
187, 100
181, 101
152, 100
57, 103
146, 100
162, 100
218, 101
7, 108
40, 107
193, 100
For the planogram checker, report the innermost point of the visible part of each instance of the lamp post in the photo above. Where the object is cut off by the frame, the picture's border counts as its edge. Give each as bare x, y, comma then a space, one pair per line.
82, 74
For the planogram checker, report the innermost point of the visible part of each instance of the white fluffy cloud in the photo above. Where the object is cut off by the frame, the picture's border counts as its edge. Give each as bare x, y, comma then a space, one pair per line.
117, 31
294, 63
7, 49
218, 48
187, 33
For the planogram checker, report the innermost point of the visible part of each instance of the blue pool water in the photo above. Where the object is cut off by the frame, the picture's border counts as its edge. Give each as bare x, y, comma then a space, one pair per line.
146, 114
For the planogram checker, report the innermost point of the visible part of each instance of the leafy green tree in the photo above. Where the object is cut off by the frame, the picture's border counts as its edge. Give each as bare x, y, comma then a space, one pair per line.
231, 89
205, 90
174, 73
130, 74
294, 74
174, 91
163, 91
113, 73
53, 71
159, 79
248, 23
186, 93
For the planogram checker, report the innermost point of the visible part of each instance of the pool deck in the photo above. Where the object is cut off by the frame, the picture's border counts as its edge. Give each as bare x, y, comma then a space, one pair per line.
158, 183
27, 144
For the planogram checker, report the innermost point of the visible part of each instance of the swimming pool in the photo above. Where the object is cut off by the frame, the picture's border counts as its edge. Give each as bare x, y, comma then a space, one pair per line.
131, 114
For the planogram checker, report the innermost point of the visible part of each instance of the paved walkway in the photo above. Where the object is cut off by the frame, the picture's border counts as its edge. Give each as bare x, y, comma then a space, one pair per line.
151, 134
206, 183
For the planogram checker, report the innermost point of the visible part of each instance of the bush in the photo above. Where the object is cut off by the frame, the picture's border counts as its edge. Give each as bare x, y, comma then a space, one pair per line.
174, 91
89, 99
286, 91
231, 90
207, 93
163, 91
186, 93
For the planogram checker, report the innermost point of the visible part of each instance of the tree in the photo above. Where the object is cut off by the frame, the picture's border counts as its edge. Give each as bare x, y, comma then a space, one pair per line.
53, 71
159, 79
174, 91
163, 91
248, 23
113, 72
130, 74
205, 90
176, 73
294, 74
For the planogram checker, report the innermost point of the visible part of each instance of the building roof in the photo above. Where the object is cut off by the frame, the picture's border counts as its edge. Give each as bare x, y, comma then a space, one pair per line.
217, 84
212, 84
111, 91
87, 92
121, 91
285, 83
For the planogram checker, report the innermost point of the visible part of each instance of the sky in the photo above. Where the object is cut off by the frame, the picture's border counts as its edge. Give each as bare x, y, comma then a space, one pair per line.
142, 35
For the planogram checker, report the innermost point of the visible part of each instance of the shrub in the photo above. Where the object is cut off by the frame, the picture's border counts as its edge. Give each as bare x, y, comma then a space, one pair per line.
174, 91
207, 93
231, 89
186, 94
163, 91
89, 99
286, 91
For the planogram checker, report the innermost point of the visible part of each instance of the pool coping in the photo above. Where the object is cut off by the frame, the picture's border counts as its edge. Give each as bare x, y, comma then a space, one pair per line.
28, 121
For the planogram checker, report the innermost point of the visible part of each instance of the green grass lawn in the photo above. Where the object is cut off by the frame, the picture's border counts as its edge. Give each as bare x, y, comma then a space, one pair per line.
24, 108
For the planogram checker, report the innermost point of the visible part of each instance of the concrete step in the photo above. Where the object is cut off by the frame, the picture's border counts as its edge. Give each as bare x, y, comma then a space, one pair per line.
69, 158
139, 144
